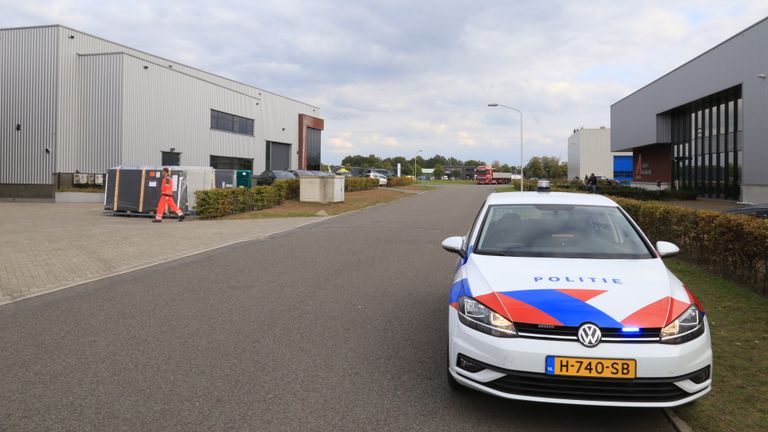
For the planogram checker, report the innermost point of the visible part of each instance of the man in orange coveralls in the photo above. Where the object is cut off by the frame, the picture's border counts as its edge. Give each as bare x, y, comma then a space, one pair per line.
166, 189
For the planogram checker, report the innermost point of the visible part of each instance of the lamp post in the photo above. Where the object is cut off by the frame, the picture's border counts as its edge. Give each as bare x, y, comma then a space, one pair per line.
521, 138
414, 163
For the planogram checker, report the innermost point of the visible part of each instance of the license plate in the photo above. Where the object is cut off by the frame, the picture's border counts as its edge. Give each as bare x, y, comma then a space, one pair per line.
591, 367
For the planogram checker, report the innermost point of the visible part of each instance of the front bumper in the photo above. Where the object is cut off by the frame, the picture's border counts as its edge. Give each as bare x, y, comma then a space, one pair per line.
514, 368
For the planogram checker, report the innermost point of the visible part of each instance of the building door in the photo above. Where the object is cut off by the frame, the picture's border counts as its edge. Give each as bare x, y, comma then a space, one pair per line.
171, 158
278, 156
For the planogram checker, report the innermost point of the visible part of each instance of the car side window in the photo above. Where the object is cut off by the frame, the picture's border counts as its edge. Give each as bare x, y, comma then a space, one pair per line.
468, 240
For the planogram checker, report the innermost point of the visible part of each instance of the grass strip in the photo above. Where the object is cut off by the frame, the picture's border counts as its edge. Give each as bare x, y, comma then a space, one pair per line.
352, 201
738, 320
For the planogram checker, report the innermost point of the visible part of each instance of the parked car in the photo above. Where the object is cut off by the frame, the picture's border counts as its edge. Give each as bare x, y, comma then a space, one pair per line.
302, 173
384, 172
606, 180
756, 210
560, 297
269, 176
382, 179
321, 173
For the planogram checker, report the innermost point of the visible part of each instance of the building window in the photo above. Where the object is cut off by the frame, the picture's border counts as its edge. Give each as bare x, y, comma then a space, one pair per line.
171, 158
224, 162
231, 123
706, 145
313, 148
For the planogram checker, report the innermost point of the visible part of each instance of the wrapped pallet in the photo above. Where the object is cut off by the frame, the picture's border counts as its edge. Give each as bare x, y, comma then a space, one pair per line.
136, 189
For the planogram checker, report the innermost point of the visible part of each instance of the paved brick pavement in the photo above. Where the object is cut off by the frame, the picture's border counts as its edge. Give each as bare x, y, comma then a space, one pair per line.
44, 247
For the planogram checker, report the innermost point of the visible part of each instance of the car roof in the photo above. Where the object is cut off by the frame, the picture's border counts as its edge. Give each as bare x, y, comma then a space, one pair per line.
550, 198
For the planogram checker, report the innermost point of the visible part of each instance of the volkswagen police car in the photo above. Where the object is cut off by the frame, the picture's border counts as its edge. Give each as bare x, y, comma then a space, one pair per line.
559, 297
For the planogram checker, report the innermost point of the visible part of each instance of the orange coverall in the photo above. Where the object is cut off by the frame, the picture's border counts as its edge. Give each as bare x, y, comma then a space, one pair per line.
166, 189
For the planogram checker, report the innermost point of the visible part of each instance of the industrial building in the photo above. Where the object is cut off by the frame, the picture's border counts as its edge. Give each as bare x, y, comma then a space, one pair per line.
589, 151
702, 126
74, 103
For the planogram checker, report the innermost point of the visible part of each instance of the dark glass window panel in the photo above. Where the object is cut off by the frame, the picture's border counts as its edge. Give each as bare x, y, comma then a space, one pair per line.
231, 123
313, 148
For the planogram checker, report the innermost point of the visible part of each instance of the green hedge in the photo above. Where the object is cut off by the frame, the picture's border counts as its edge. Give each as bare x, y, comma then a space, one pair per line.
215, 203
354, 184
289, 188
623, 191
399, 181
732, 246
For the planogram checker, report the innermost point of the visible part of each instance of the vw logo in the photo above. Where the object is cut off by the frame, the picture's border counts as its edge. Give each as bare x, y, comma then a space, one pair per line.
589, 335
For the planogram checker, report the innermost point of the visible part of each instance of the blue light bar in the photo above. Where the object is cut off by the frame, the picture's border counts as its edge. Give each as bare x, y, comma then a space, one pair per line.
630, 329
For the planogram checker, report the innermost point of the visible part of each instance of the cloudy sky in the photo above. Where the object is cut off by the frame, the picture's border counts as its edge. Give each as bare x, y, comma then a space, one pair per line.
393, 77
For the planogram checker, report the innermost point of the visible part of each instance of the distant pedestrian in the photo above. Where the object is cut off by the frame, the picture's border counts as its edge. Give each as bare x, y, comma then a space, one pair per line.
166, 198
592, 183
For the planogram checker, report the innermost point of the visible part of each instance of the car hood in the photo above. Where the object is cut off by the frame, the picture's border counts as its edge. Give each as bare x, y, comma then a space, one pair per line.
569, 292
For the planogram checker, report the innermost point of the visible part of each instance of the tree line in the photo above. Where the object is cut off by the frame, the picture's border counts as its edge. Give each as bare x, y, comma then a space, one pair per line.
406, 164
539, 166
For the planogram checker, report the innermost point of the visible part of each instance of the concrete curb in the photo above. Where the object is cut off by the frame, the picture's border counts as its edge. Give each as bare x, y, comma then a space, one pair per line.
679, 424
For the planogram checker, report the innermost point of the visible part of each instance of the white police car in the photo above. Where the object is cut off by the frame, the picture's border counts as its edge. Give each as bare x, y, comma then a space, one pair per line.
559, 297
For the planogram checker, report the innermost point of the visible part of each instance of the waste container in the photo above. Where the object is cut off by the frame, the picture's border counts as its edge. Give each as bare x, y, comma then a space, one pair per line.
244, 178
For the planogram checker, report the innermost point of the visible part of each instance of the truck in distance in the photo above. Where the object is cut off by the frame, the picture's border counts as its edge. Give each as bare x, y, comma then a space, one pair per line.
485, 174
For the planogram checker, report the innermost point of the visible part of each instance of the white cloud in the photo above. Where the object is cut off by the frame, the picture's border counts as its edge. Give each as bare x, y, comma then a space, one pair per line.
392, 78
465, 139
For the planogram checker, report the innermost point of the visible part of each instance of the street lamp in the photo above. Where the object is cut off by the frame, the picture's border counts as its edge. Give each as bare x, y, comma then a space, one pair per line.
414, 163
521, 138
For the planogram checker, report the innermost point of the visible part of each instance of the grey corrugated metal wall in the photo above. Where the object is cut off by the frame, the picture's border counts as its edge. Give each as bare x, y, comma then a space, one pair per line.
574, 156
100, 116
164, 108
103, 108
28, 98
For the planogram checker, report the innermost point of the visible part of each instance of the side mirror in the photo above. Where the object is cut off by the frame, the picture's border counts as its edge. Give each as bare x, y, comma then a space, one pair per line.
666, 249
454, 244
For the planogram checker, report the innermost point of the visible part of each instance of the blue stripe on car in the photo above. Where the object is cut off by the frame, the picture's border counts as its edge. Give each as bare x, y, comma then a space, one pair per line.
568, 310
459, 288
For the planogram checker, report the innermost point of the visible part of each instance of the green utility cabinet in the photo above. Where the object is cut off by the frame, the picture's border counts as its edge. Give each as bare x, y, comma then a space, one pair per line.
244, 178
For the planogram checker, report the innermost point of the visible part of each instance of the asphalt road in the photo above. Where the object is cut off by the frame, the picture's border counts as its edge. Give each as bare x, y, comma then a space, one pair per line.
339, 325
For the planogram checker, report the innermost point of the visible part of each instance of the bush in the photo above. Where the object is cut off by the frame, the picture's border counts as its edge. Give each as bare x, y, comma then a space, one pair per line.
215, 203
354, 184
618, 190
289, 188
732, 246
399, 181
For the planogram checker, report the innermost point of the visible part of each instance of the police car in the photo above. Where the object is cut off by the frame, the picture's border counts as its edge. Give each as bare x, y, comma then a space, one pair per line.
559, 297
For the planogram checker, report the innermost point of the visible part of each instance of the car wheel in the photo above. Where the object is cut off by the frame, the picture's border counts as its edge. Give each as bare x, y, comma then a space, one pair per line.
452, 383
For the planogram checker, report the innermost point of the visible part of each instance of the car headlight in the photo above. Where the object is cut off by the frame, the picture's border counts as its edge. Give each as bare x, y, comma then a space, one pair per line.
689, 325
477, 316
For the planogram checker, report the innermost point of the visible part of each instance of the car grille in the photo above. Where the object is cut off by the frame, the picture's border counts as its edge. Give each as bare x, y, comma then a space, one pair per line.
614, 334
591, 389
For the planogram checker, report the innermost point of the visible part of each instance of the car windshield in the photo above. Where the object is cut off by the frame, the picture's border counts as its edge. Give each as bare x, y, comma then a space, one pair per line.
481, 171
560, 231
